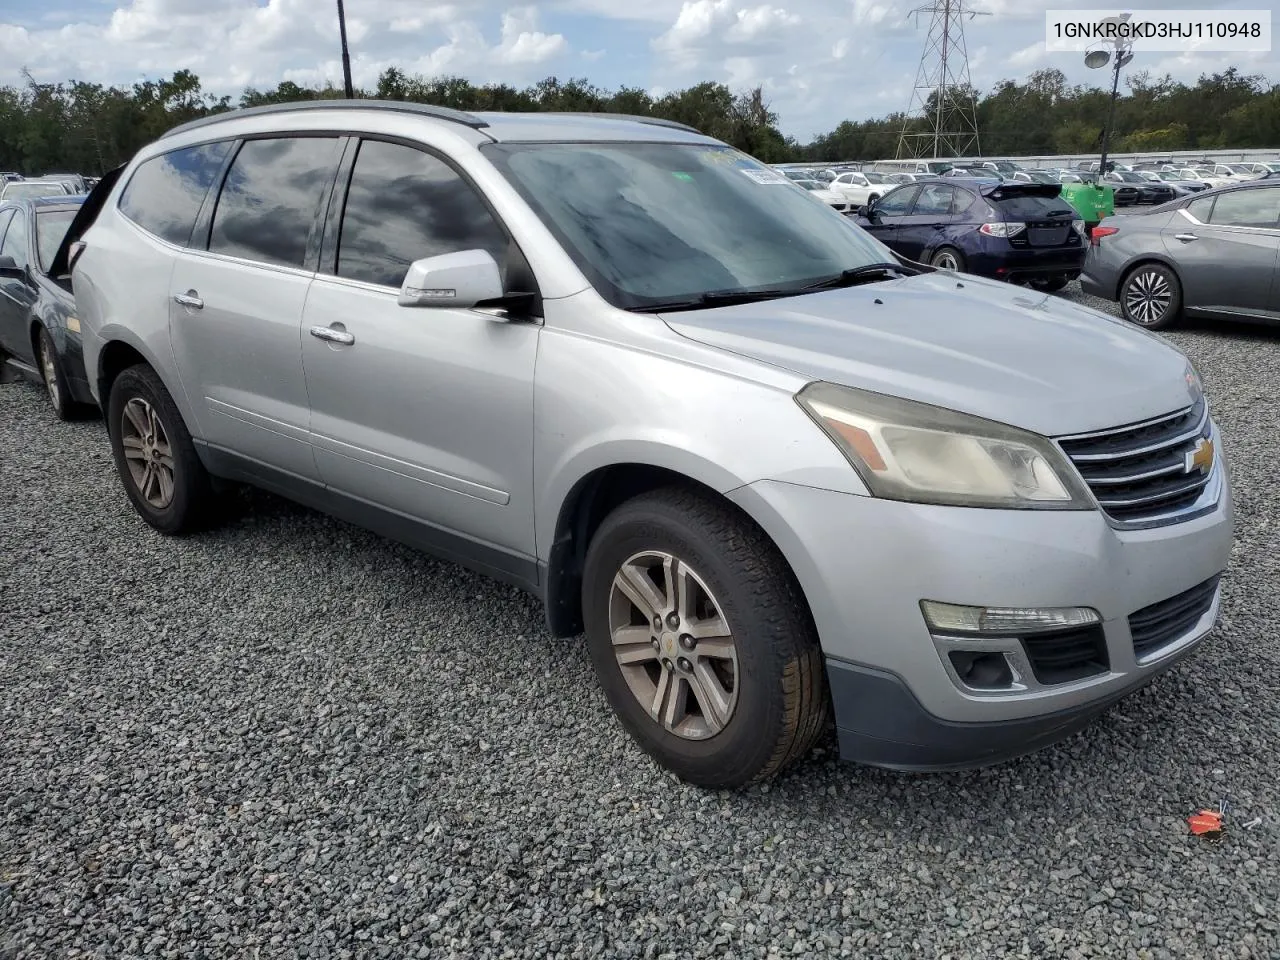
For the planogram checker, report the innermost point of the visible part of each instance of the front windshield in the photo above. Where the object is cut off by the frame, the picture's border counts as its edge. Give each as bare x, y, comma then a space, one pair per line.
651, 223
24, 190
876, 178
810, 184
1040, 176
940, 167
1128, 177
1239, 167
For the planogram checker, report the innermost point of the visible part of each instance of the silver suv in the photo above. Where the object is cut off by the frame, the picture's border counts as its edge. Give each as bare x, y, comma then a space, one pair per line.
773, 472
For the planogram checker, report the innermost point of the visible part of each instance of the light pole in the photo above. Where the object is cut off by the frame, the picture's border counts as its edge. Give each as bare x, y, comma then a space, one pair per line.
346, 56
1098, 58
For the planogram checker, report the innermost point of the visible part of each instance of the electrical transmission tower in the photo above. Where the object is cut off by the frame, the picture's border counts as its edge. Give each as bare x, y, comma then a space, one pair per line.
942, 99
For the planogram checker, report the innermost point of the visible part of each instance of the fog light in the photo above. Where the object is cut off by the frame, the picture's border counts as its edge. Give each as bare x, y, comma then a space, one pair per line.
955, 618
982, 671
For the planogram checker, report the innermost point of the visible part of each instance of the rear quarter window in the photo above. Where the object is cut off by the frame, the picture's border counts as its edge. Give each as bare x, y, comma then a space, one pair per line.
1032, 208
164, 194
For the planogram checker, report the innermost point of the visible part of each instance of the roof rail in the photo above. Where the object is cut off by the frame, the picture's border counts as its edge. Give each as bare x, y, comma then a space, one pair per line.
638, 118
394, 106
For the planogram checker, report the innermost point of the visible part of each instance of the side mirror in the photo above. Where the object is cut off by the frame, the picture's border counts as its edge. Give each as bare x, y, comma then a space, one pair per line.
10, 270
455, 281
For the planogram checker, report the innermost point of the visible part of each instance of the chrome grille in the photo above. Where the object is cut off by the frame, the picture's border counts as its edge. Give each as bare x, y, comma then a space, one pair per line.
1139, 472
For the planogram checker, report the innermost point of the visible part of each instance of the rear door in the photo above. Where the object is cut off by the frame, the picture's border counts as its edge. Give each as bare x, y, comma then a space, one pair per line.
925, 225
1226, 248
237, 295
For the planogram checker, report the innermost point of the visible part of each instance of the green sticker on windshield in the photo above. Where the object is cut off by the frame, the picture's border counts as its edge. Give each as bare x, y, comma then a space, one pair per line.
683, 176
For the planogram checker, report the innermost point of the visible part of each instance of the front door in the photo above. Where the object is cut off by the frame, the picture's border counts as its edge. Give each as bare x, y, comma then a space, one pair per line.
17, 294
425, 412
1226, 248
887, 214
236, 307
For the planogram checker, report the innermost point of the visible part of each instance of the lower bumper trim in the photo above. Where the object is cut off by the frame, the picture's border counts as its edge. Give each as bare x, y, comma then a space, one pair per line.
880, 723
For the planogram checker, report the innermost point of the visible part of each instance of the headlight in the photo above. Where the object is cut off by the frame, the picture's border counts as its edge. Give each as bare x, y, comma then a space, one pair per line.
1195, 386
920, 453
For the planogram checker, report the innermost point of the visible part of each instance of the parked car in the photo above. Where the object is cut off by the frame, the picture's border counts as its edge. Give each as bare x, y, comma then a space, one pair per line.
1213, 255
1129, 188
622, 365
1203, 175
32, 189
823, 192
1152, 191
1007, 231
910, 177
1033, 176
1182, 187
74, 181
39, 332
861, 187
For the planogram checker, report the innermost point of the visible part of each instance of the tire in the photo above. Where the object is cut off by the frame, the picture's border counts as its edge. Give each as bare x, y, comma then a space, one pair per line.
1151, 297
948, 258
770, 682
1050, 284
137, 404
56, 387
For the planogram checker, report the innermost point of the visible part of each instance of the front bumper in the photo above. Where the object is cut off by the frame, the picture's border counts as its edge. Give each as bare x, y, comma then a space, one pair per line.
865, 564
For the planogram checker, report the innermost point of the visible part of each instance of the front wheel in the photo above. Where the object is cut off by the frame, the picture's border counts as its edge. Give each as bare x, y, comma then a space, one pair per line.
1151, 296
155, 458
701, 640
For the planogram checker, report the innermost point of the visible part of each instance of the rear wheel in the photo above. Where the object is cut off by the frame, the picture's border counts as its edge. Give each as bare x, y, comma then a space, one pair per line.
948, 258
55, 384
1151, 296
701, 639
155, 458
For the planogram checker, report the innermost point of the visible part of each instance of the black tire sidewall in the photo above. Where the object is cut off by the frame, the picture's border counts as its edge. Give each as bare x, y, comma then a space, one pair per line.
1175, 302
190, 482
747, 742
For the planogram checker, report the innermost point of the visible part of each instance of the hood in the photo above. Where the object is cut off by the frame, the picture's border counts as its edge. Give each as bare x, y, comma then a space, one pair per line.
990, 349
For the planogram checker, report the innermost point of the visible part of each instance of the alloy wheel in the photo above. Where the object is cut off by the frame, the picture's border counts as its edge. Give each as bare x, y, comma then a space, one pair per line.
147, 452
1148, 297
673, 645
946, 261
50, 373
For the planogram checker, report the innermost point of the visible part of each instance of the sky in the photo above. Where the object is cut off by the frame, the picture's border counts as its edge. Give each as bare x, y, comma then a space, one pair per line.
819, 61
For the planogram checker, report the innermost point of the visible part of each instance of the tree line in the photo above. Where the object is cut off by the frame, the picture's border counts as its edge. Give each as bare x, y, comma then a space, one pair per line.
90, 128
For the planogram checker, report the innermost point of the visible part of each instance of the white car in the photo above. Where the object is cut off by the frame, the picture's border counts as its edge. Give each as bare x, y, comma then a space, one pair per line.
861, 188
1209, 177
821, 191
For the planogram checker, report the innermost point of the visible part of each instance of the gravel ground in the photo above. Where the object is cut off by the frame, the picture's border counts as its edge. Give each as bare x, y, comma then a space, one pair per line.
289, 738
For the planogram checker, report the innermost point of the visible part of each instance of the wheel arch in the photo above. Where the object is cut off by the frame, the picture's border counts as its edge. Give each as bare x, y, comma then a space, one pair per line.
588, 501
1141, 261
120, 350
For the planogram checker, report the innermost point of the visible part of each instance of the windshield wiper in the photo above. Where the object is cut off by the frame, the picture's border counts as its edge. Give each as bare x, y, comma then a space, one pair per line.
871, 273
717, 298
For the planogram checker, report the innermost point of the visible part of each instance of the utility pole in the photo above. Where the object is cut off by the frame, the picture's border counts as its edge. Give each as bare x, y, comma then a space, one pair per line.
346, 55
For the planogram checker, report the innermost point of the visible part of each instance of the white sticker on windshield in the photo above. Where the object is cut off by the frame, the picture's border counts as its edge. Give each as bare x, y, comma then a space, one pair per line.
766, 176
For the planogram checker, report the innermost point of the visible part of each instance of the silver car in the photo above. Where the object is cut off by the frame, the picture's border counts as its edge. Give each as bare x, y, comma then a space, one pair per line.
773, 473
1215, 255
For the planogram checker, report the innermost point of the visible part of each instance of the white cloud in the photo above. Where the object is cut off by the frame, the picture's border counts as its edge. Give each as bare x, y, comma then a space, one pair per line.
711, 23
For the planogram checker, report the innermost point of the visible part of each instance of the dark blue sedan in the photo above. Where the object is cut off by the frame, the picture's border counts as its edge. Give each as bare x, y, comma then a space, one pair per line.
1023, 232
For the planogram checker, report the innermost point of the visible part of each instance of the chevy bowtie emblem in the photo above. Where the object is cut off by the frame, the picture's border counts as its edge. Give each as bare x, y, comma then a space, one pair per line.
1201, 458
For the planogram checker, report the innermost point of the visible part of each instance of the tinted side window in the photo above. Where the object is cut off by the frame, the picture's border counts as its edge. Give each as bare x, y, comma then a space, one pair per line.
269, 200
15, 242
404, 205
897, 202
165, 193
934, 200
1249, 208
1201, 208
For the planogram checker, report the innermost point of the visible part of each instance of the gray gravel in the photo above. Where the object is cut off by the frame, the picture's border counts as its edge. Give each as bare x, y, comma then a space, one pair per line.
289, 738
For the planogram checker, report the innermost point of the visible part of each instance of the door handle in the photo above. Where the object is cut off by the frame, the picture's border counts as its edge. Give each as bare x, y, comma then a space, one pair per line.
189, 299
1185, 237
332, 335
